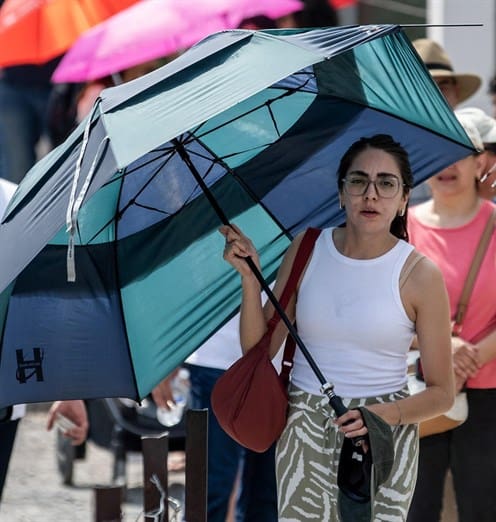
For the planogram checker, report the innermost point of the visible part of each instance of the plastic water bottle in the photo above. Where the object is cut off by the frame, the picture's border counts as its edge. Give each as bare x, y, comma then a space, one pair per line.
180, 386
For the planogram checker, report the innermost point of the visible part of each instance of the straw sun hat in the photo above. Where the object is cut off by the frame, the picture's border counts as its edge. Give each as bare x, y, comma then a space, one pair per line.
439, 65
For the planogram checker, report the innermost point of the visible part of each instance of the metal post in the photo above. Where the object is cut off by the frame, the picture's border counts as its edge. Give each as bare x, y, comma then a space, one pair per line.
155, 478
119, 452
196, 465
108, 501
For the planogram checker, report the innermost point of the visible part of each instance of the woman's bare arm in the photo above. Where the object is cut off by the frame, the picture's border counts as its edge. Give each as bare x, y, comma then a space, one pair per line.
254, 317
425, 293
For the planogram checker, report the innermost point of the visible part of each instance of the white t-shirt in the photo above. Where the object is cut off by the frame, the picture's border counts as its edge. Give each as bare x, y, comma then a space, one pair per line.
223, 349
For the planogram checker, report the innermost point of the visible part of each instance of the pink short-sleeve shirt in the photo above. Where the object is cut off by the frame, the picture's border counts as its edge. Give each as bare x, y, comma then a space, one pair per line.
453, 249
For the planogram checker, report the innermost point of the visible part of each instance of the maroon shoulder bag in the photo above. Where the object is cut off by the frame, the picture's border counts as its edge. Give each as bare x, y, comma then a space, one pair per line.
250, 399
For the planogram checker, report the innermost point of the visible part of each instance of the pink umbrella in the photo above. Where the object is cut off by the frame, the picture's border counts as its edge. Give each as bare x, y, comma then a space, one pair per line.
152, 29
235, 11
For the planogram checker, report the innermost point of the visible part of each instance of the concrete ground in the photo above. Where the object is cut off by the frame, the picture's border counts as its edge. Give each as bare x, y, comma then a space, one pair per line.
34, 491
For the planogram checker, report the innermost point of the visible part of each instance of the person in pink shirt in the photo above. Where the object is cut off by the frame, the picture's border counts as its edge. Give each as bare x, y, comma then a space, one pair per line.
447, 229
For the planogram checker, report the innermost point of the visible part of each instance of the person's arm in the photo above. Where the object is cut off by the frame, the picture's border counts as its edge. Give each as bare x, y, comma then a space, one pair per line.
254, 316
469, 358
76, 412
425, 295
486, 348
465, 360
162, 393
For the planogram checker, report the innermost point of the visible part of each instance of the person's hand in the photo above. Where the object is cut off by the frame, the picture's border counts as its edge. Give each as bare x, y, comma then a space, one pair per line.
487, 185
459, 383
353, 425
466, 362
76, 412
162, 393
237, 248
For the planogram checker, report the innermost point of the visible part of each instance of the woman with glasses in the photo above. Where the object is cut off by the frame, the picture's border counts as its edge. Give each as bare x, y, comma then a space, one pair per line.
447, 228
357, 309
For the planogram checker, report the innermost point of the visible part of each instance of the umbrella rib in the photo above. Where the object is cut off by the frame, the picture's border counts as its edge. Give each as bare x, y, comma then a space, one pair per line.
267, 103
231, 155
250, 192
148, 207
301, 88
274, 122
126, 173
220, 161
184, 155
133, 201
288, 92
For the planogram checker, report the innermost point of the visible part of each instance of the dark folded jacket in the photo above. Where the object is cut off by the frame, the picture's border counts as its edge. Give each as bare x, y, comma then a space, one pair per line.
359, 474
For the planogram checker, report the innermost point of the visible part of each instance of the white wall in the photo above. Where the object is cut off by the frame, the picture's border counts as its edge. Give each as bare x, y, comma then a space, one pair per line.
471, 49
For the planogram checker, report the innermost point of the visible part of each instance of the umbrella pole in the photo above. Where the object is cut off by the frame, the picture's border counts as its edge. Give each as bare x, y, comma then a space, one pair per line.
326, 388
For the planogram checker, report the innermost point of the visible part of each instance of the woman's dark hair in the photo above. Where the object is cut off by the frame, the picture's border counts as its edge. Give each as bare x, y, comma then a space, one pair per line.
385, 143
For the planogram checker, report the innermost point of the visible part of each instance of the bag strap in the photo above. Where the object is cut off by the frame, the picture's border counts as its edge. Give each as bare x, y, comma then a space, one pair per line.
302, 254
299, 263
414, 257
472, 273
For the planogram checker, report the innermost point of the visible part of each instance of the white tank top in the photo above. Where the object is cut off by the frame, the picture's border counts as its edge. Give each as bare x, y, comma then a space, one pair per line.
350, 316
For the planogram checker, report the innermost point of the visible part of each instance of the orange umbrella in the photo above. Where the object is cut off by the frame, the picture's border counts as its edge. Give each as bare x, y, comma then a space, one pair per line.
34, 31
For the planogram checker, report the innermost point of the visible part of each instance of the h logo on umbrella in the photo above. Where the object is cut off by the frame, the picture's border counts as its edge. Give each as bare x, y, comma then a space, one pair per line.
35, 365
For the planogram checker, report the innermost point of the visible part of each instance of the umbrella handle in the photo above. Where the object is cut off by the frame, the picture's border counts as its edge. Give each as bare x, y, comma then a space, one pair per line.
338, 406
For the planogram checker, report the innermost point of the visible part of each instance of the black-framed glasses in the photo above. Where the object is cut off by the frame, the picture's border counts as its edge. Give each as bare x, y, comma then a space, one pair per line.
386, 185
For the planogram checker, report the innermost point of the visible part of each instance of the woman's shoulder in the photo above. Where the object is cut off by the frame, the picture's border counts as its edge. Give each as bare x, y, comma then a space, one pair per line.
485, 215
420, 270
420, 279
313, 232
289, 257
487, 207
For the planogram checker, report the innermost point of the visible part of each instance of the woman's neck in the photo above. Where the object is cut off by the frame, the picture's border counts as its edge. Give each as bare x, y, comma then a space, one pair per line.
452, 212
360, 246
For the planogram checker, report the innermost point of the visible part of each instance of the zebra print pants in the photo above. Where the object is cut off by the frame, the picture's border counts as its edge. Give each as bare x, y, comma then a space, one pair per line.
307, 460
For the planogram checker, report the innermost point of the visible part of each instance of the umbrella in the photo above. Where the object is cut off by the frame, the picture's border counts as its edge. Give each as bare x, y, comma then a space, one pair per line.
234, 12
156, 28
7, 189
35, 31
246, 127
